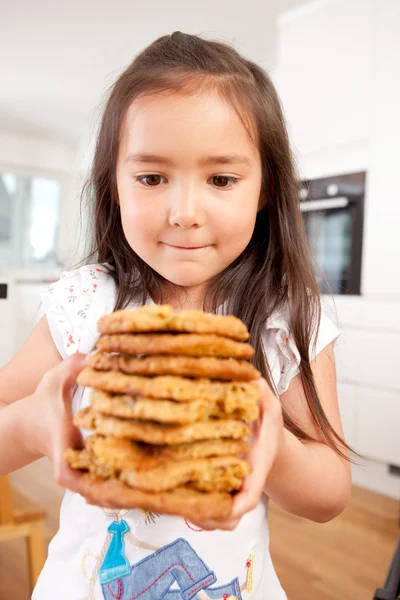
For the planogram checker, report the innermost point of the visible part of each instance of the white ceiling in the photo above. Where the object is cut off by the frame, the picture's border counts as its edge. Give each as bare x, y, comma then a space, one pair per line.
57, 59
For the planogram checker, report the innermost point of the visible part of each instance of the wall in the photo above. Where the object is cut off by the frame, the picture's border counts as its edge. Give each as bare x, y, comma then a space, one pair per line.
38, 154
336, 78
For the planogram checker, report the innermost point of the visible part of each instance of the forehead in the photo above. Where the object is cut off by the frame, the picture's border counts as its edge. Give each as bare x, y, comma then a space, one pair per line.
186, 125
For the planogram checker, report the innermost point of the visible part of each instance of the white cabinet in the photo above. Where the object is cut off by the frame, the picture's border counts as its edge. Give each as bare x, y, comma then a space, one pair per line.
324, 73
7, 320
348, 406
379, 425
336, 61
29, 307
21, 310
367, 363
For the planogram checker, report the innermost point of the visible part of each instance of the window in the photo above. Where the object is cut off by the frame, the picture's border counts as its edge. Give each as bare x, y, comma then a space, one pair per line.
29, 221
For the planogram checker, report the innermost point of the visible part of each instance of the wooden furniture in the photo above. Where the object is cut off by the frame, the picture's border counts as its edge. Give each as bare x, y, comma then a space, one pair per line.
20, 518
346, 558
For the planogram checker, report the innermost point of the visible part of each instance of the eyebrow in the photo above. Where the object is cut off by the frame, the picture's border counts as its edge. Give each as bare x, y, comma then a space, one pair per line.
226, 159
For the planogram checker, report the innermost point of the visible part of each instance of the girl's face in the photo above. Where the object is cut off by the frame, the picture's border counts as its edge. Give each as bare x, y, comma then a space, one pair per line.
189, 183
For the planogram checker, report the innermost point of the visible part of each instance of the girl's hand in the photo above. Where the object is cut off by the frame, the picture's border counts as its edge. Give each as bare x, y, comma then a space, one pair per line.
266, 443
50, 408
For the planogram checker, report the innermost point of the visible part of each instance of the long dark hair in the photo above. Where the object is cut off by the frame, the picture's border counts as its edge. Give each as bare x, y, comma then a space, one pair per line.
275, 270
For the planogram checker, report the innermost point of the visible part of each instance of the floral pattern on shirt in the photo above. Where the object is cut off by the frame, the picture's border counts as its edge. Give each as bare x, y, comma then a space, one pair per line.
69, 301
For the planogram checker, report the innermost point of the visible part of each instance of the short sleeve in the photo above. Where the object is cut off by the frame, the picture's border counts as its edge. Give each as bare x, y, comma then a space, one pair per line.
73, 305
287, 354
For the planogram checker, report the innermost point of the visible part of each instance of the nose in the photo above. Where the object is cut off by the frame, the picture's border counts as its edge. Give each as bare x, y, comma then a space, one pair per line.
186, 210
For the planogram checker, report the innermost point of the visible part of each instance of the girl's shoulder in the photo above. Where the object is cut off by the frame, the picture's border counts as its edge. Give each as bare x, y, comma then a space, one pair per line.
80, 286
280, 347
74, 303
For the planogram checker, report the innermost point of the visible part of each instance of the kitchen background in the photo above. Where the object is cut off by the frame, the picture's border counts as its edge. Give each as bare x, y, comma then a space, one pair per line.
336, 66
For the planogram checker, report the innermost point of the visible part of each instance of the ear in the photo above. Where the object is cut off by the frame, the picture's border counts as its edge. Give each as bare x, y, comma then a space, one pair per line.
114, 194
262, 201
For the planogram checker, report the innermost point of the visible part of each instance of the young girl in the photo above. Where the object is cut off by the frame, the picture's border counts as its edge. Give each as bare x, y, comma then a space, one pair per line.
196, 205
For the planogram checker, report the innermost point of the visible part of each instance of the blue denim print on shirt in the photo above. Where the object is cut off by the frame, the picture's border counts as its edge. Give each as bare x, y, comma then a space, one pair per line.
152, 577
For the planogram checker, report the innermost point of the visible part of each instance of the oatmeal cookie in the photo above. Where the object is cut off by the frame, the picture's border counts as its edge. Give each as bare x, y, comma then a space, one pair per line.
187, 344
157, 433
163, 318
169, 387
183, 501
169, 411
125, 454
186, 366
220, 473
85, 460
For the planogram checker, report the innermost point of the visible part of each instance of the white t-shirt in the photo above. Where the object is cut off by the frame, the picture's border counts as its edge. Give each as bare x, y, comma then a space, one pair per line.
131, 554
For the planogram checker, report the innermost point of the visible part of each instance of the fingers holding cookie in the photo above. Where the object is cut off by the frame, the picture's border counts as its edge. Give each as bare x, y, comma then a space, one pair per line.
172, 400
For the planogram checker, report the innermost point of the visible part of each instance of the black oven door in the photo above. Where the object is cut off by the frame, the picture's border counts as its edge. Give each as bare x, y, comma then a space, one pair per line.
334, 233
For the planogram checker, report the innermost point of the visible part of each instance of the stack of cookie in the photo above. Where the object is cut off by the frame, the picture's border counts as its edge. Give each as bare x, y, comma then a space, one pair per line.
171, 404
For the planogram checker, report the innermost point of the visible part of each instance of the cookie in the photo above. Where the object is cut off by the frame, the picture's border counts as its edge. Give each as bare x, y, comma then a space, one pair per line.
169, 387
78, 459
163, 318
186, 366
157, 433
183, 501
125, 454
169, 411
220, 473
184, 344
84, 460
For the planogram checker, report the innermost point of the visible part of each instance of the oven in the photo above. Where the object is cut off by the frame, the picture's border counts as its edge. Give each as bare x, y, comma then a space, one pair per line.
333, 210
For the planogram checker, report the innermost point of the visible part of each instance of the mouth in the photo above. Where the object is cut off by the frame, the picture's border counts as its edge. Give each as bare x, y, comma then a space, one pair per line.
186, 247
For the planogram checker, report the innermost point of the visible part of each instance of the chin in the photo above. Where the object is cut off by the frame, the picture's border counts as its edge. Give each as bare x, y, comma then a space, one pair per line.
187, 277
185, 281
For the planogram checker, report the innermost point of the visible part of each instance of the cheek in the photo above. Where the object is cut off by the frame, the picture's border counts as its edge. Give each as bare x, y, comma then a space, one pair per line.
235, 227
140, 221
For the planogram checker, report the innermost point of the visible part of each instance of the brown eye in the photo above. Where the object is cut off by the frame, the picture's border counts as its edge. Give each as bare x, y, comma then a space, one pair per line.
223, 181
220, 180
152, 180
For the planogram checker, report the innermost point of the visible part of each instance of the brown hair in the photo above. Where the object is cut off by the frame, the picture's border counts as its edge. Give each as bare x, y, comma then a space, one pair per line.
275, 269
